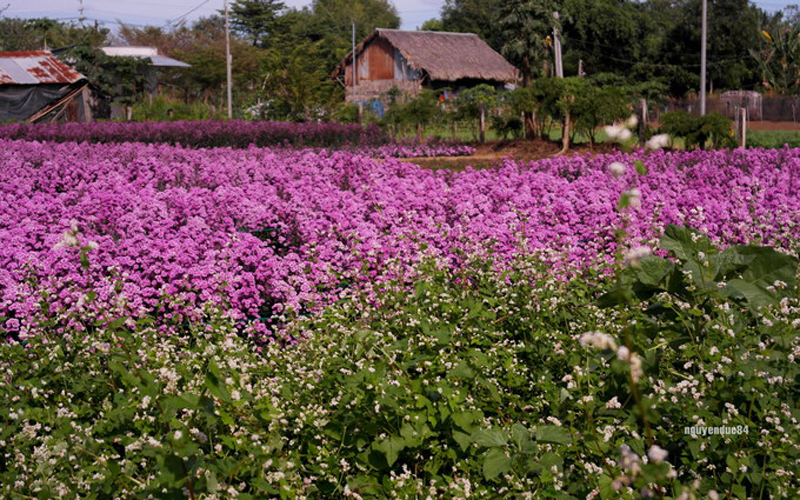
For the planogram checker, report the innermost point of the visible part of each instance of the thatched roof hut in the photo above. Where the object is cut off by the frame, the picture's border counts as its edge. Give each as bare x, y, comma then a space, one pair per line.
413, 59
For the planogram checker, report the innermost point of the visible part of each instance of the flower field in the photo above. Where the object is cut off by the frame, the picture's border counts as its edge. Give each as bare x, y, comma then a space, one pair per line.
264, 231
309, 323
370, 141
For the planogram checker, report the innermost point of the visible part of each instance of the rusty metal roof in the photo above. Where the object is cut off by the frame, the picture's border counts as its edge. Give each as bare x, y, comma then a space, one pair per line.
33, 68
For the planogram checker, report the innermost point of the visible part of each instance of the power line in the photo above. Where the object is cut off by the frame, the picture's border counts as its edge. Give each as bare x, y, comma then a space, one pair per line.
184, 15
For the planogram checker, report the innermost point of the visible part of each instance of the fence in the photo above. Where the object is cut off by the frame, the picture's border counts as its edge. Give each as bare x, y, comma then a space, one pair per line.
759, 107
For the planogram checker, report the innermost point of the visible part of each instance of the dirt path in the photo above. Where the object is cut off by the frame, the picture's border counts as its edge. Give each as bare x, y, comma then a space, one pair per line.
492, 154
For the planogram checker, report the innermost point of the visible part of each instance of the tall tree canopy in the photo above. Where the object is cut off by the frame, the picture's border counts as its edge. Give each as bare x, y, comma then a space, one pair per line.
257, 20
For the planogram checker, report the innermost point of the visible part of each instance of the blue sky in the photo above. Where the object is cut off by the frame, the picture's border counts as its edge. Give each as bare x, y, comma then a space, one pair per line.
154, 12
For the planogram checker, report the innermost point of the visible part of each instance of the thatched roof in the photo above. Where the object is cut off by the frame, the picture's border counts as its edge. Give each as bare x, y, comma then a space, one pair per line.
444, 56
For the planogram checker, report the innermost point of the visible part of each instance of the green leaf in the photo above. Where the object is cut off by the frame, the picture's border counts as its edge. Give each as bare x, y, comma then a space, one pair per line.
757, 282
215, 384
391, 448
678, 240
490, 438
462, 371
463, 439
467, 420
653, 270
552, 434
495, 463
640, 168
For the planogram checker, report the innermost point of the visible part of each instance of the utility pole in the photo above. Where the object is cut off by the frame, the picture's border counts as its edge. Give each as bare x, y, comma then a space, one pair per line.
557, 46
703, 34
228, 61
355, 66
81, 17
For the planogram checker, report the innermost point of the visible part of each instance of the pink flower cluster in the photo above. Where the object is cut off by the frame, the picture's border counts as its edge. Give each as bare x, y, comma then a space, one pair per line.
260, 231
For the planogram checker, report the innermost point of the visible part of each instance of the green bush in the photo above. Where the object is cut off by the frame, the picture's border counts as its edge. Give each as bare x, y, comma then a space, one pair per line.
468, 383
164, 109
697, 130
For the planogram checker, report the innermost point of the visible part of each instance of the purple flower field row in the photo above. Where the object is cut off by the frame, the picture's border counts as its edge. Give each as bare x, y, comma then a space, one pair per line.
370, 140
260, 231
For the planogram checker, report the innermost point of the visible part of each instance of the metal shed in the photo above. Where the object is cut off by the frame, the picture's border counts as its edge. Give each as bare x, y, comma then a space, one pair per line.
35, 86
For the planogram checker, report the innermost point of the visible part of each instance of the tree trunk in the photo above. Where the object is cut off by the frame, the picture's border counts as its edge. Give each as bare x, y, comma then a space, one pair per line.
483, 124
565, 134
419, 132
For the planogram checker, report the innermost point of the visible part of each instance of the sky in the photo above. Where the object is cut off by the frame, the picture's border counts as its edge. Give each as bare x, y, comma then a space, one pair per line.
154, 12
159, 13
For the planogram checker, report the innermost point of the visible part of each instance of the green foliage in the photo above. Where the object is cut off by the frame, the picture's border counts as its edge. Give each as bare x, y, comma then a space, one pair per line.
527, 30
778, 59
114, 79
474, 16
162, 109
697, 130
467, 380
34, 34
258, 20
597, 106
294, 87
773, 139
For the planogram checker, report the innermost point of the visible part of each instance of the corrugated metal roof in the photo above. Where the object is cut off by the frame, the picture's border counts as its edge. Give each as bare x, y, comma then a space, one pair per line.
34, 67
150, 53
168, 61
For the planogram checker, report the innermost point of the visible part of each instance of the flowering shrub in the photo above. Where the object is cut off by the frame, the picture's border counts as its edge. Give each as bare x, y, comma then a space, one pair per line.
238, 134
473, 383
370, 140
267, 234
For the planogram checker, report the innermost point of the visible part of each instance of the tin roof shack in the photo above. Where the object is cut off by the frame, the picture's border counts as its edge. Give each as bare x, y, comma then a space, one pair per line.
412, 60
155, 62
151, 54
36, 87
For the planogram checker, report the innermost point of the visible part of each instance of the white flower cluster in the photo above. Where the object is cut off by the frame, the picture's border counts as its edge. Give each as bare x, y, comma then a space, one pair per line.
635, 255
598, 340
657, 142
633, 360
617, 169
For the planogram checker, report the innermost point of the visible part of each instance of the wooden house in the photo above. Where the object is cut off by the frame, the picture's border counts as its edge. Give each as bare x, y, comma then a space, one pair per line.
412, 60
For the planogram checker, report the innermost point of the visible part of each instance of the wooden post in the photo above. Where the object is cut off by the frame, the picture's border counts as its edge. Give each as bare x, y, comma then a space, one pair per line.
642, 121
482, 123
744, 127
737, 132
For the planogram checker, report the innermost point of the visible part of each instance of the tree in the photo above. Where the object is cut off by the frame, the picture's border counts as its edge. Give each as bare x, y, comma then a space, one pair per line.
257, 20
475, 102
293, 87
779, 59
475, 16
34, 34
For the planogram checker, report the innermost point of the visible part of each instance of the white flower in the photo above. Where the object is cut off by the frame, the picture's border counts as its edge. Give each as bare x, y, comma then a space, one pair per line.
636, 254
657, 142
68, 240
617, 169
635, 197
612, 131
632, 121
630, 461
178, 434
623, 353
624, 135
613, 404
598, 340
657, 454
